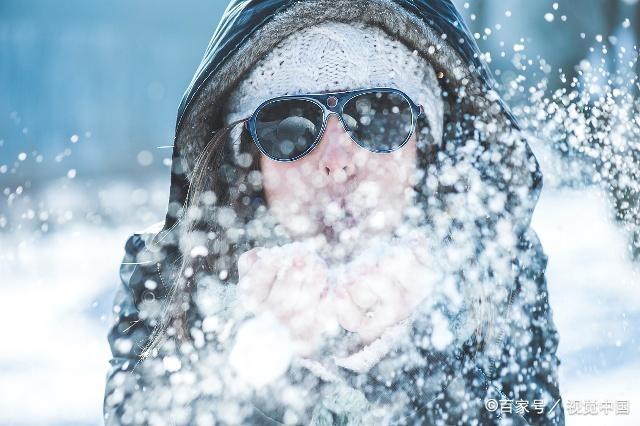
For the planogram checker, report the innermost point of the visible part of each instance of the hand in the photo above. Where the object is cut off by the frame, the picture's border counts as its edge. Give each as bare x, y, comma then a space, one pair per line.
383, 287
290, 282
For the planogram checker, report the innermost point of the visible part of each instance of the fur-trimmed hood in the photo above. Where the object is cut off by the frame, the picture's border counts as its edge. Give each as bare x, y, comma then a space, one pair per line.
250, 28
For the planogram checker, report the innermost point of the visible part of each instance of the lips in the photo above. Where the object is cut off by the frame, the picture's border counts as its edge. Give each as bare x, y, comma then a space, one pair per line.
350, 220
332, 228
343, 196
344, 189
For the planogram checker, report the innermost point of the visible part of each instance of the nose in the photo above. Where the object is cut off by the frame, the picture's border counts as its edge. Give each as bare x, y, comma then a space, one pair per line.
336, 151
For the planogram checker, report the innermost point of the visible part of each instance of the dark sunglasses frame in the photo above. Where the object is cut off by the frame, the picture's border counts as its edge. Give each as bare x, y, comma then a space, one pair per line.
333, 103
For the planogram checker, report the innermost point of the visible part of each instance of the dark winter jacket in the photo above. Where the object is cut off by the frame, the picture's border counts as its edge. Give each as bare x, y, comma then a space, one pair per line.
526, 370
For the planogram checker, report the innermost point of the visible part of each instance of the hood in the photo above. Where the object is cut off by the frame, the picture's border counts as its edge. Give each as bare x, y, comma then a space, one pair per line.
250, 28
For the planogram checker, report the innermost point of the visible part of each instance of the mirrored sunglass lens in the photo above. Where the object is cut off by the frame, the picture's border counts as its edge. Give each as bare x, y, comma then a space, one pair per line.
288, 127
379, 121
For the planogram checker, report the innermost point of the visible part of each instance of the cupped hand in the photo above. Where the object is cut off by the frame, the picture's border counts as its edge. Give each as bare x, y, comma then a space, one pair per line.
289, 282
383, 287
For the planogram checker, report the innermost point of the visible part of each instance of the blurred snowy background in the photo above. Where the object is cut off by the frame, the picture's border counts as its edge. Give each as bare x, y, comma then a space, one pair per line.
89, 91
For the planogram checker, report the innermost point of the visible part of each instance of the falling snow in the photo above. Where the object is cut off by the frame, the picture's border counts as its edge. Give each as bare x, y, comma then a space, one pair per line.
63, 241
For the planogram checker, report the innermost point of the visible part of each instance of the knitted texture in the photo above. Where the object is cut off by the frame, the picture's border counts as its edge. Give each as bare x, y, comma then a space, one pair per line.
335, 56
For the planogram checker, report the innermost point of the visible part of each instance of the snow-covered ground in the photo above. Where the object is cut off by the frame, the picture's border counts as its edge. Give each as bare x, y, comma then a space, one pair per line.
57, 292
54, 324
595, 296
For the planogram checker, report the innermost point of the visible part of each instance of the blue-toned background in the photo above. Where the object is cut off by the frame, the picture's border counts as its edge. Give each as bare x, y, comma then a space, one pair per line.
89, 91
110, 72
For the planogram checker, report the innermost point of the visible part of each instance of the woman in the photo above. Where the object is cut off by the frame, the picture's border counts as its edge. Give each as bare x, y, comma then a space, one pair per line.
347, 239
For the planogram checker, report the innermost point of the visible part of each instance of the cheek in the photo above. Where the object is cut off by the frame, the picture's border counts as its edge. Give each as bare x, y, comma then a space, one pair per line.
271, 178
285, 181
385, 181
287, 191
394, 171
274, 176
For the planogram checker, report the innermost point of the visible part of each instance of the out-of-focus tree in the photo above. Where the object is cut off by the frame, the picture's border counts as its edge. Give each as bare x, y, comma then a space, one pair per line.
581, 55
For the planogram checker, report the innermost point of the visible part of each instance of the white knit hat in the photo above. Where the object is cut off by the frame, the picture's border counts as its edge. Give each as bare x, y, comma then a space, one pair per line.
334, 56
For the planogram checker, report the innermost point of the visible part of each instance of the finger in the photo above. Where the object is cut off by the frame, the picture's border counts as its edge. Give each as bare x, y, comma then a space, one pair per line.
282, 298
359, 268
395, 306
312, 323
258, 261
246, 260
389, 311
370, 334
286, 289
372, 328
303, 324
382, 284
348, 314
256, 285
361, 292
408, 277
416, 280
326, 316
312, 273
314, 284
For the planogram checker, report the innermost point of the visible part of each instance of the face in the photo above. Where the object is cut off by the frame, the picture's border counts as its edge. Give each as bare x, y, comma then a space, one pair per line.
339, 189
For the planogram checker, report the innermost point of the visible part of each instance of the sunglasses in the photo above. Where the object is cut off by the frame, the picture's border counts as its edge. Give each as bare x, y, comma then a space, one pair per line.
380, 120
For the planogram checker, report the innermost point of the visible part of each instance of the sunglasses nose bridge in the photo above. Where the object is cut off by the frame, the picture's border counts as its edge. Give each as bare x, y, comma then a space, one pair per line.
338, 116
